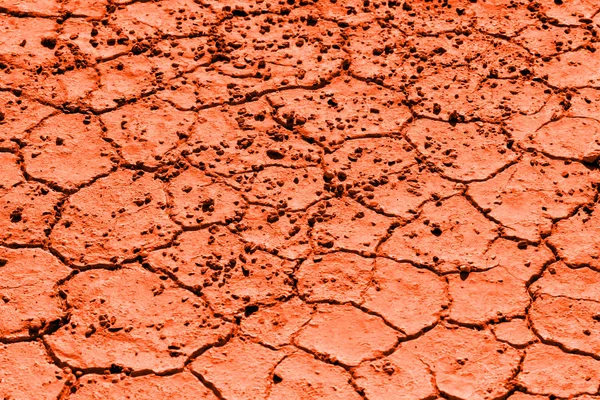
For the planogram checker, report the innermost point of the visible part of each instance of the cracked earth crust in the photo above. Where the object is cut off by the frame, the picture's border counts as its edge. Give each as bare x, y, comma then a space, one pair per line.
299, 199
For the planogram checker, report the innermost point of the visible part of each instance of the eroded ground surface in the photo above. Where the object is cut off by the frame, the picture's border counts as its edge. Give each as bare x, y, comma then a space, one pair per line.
299, 199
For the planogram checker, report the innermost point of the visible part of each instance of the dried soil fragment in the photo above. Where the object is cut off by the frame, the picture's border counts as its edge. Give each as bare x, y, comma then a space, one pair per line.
35, 7
376, 55
286, 235
567, 374
181, 56
485, 56
401, 376
292, 51
433, 18
10, 173
575, 240
67, 150
206, 86
129, 77
356, 12
584, 103
27, 210
198, 201
131, 318
301, 376
463, 95
569, 12
96, 9
145, 130
501, 290
35, 61
424, 54
566, 309
522, 127
172, 17
285, 188
113, 220
346, 335
447, 235
344, 109
90, 39
275, 326
570, 323
571, 138
467, 364
66, 89
28, 372
389, 58
515, 256
514, 332
342, 224
529, 196
231, 274
573, 69
30, 302
340, 277
245, 138
385, 176
239, 370
524, 396
498, 58
503, 17
471, 151
551, 41
359, 161
182, 386
560, 280
18, 115
245, 8
35, 32
490, 295
418, 295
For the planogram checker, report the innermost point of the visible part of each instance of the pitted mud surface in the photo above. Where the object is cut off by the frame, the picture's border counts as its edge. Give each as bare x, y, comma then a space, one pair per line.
299, 199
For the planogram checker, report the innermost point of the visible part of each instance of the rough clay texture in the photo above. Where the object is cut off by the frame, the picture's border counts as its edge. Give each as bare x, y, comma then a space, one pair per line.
299, 199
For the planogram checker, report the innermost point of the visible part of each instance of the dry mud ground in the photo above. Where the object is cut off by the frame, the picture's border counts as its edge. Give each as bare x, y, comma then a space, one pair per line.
299, 199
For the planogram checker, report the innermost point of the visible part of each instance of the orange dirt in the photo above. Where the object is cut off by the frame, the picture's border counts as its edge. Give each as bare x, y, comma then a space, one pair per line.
299, 199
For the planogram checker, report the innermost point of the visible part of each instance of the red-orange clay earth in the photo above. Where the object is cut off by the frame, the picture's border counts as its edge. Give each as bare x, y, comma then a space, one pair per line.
299, 199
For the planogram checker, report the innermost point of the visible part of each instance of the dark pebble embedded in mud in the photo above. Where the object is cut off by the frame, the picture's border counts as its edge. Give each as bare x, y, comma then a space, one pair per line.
49, 42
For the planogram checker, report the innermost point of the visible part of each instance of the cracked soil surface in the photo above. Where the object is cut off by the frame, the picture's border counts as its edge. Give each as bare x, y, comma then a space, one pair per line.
299, 199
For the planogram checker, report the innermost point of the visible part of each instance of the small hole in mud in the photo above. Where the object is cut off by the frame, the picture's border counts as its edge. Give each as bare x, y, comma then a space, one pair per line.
464, 275
116, 369
16, 216
277, 379
249, 310
436, 231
